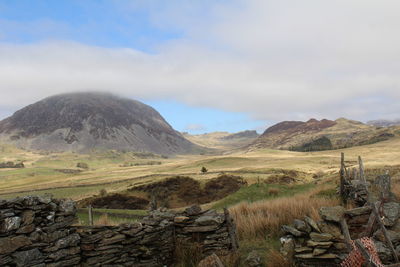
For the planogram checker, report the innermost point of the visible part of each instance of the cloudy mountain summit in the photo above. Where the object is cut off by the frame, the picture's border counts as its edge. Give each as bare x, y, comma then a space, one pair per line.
85, 121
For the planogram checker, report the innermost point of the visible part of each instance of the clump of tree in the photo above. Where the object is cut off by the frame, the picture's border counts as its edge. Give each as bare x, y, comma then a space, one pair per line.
82, 165
10, 164
203, 169
320, 144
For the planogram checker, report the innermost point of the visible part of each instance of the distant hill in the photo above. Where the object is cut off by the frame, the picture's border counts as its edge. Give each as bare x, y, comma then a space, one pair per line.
316, 135
86, 121
384, 123
223, 140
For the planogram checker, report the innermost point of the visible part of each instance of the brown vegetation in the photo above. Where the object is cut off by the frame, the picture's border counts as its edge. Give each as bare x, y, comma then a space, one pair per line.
276, 259
116, 201
265, 218
182, 190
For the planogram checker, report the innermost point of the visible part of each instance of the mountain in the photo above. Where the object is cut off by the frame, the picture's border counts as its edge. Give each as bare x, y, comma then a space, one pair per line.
86, 121
223, 140
320, 135
244, 134
384, 123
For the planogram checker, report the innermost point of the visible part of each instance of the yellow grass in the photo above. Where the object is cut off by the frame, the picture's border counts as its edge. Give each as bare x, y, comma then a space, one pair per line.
104, 220
263, 219
39, 173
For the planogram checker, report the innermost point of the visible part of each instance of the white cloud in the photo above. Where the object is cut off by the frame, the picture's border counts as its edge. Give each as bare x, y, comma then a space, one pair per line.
195, 128
274, 59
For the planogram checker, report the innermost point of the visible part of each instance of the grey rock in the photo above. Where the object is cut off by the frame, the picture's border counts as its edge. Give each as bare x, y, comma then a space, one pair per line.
287, 246
10, 224
358, 211
193, 210
301, 226
312, 223
321, 244
334, 214
67, 207
291, 230
384, 252
321, 237
319, 251
209, 220
27, 217
394, 236
391, 213
11, 244
28, 257
253, 259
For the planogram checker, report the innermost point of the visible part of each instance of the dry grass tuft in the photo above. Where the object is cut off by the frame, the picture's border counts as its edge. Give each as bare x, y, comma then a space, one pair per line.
104, 220
265, 218
273, 192
188, 254
276, 259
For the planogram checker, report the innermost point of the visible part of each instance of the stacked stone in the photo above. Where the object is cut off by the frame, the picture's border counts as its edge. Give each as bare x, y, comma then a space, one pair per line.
312, 243
36, 231
321, 243
149, 243
207, 228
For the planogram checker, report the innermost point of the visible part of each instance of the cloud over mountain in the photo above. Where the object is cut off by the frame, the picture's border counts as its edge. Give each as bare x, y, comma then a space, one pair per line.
275, 60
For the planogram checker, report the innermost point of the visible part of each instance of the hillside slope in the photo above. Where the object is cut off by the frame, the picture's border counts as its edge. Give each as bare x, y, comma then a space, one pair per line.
321, 135
86, 121
223, 140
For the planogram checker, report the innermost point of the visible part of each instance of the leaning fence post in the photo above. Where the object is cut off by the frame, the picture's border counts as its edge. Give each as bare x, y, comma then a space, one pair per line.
90, 211
384, 231
342, 178
361, 166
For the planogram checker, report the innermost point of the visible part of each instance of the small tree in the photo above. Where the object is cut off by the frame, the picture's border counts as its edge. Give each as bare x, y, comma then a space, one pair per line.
82, 165
103, 192
204, 169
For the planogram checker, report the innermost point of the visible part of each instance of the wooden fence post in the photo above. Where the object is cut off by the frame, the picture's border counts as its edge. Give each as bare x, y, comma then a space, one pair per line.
361, 166
90, 215
342, 179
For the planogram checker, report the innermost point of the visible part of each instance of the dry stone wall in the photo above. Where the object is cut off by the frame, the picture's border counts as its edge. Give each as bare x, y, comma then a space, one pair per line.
322, 243
39, 231
36, 231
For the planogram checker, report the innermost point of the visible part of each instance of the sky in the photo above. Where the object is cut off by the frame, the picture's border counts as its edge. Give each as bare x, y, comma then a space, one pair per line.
208, 65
